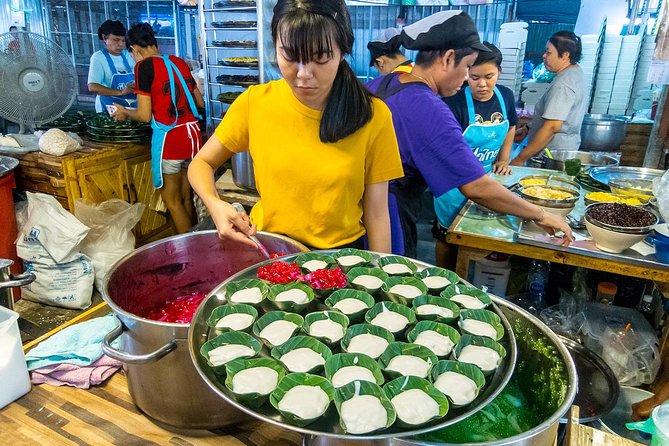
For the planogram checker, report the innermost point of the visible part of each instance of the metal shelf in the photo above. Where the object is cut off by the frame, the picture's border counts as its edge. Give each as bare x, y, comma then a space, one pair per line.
233, 9
231, 48
234, 68
213, 28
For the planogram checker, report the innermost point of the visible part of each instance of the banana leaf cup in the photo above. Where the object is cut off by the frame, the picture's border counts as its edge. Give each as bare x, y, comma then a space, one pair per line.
397, 266
288, 305
311, 261
467, 296
292, 380
393, 307
447, 312
300, 342
274, 316
340, 300
405, 349
231, 337
357, 389
440, 349
367, 346
479, 341
222, 311
345, 254
342, 360
406, 383
437, 279
333, 316
324, 282
469, 371
495, 331
411, 287
360, 272
252, 399
234, 287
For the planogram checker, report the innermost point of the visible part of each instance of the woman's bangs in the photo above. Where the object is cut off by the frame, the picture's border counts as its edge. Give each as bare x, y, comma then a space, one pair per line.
307, 38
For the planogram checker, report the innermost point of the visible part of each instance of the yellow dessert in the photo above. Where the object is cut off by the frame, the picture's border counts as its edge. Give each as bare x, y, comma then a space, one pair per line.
605, 197
547, 193
533, 182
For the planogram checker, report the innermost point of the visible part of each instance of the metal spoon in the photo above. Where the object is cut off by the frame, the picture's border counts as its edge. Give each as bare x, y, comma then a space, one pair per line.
239, 208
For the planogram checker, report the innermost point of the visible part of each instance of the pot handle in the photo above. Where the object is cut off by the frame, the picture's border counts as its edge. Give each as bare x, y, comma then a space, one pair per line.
127, 357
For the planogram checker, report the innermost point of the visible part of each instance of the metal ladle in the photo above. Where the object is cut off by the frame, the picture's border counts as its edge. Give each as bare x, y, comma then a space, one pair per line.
239, 208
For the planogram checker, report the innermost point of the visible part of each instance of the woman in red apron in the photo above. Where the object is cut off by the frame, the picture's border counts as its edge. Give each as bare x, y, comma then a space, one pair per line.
173, 114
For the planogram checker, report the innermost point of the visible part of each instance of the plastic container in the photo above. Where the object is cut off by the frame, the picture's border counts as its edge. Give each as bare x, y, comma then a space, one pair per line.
660, 418
13, 369
606, 292
493, 272
647, 308
9, 230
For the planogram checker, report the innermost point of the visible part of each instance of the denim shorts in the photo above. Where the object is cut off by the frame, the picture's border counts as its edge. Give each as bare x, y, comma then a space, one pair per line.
170, 167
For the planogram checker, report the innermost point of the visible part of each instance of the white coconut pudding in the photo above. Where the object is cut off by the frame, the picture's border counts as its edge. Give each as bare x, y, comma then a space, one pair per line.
469, 302
295, 295
362, 414
415, 407
436, 282
302, 360
235, 321
306, 402
434, 309
396, 268
246, 296
327, 328
439, 344
484, 358
350, 305
262, 380
313, 265
350, 260
368, 344
368, 281
479, 328
278, 332
459, 388
406, 291
409, 365
226, 353
390, 320
351, 373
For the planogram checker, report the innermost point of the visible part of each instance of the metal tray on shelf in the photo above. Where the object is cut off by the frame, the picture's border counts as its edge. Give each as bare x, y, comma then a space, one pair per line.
604, 174
234, 3
232, 62
235, 24
328, 425
234, 43
241, 80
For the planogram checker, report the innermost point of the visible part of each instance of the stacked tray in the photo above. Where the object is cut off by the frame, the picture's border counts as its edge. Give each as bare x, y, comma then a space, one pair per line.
246, 62
235, 24
103, 128
75, 122
241, 80
234, 3
300, 274
228, 97
235, 43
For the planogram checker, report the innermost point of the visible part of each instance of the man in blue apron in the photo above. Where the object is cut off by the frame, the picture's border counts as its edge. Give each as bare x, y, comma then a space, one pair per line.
110, 75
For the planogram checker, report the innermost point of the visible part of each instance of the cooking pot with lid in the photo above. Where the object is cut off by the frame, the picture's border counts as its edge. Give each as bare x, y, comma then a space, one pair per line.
162, 379
603, 133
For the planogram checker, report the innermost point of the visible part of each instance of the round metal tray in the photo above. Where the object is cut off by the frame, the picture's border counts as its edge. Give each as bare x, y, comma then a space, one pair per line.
328, 425
604, 174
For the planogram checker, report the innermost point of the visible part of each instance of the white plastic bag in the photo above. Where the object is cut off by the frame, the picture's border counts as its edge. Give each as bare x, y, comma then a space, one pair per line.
632, 358
48, 242
57, 142
110, 236
661, 191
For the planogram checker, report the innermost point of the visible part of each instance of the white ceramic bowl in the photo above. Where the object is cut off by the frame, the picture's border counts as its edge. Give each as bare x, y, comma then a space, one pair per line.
562, 212
612, 241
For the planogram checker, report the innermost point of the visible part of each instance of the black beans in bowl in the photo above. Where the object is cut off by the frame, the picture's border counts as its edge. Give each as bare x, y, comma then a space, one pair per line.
620, 215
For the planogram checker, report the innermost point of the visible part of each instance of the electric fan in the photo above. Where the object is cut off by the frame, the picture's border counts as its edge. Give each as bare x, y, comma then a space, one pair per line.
38, 81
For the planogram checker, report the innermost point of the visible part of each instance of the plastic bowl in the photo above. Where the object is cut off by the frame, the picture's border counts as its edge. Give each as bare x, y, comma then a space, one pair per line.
612, 241
637, 230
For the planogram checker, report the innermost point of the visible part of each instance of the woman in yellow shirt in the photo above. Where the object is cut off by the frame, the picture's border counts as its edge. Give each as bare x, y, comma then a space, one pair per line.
323, 148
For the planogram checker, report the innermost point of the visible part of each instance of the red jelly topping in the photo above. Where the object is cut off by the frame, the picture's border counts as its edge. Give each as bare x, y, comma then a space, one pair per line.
276, 255
326, 278
179, 310
279, 272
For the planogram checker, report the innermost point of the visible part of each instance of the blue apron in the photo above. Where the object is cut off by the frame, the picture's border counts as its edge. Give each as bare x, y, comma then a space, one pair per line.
486, 141
119, 81
160, 130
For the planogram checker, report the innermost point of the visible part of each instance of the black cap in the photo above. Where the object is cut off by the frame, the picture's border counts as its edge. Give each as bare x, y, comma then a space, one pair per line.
444, 30
386, 43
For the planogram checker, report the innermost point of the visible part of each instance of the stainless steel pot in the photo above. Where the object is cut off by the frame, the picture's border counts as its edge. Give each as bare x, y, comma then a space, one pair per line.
529, 332
588, 159
162, 379
242, 171
603, 133
9, 281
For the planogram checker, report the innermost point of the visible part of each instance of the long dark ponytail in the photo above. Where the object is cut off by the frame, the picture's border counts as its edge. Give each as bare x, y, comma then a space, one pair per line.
308, 29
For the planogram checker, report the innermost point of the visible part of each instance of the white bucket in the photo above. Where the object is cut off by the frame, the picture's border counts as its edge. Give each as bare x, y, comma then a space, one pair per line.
493, 274
13, 369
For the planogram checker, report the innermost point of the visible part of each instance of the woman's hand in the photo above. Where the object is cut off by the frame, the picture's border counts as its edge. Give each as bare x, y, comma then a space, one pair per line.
552, 224
643, 409
129, 88
521, 133
120, 114
231, 225
502, 168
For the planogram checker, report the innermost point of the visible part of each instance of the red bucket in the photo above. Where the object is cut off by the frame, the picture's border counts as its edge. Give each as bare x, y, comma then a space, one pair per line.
8, 218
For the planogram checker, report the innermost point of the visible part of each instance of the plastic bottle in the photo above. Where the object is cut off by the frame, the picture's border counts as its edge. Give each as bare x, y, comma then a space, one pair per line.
606, 292
647, 308
537, 283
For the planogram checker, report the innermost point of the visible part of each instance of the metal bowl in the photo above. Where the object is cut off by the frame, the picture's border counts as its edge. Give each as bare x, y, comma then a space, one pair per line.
587, 159
604, 133
548, 203
620, 229
635, 187
589, 201
551, 180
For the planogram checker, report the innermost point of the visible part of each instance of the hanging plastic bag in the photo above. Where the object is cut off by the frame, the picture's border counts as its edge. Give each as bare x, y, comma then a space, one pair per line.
541, 74
661, 191
632, 358
110, 237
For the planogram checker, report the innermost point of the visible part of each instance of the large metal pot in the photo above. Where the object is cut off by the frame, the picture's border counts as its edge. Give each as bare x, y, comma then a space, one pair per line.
603, 133
242, 171
162, 380
530, 332
588, 159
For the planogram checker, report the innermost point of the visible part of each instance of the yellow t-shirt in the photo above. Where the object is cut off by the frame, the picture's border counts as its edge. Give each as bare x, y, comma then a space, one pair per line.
310, 191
